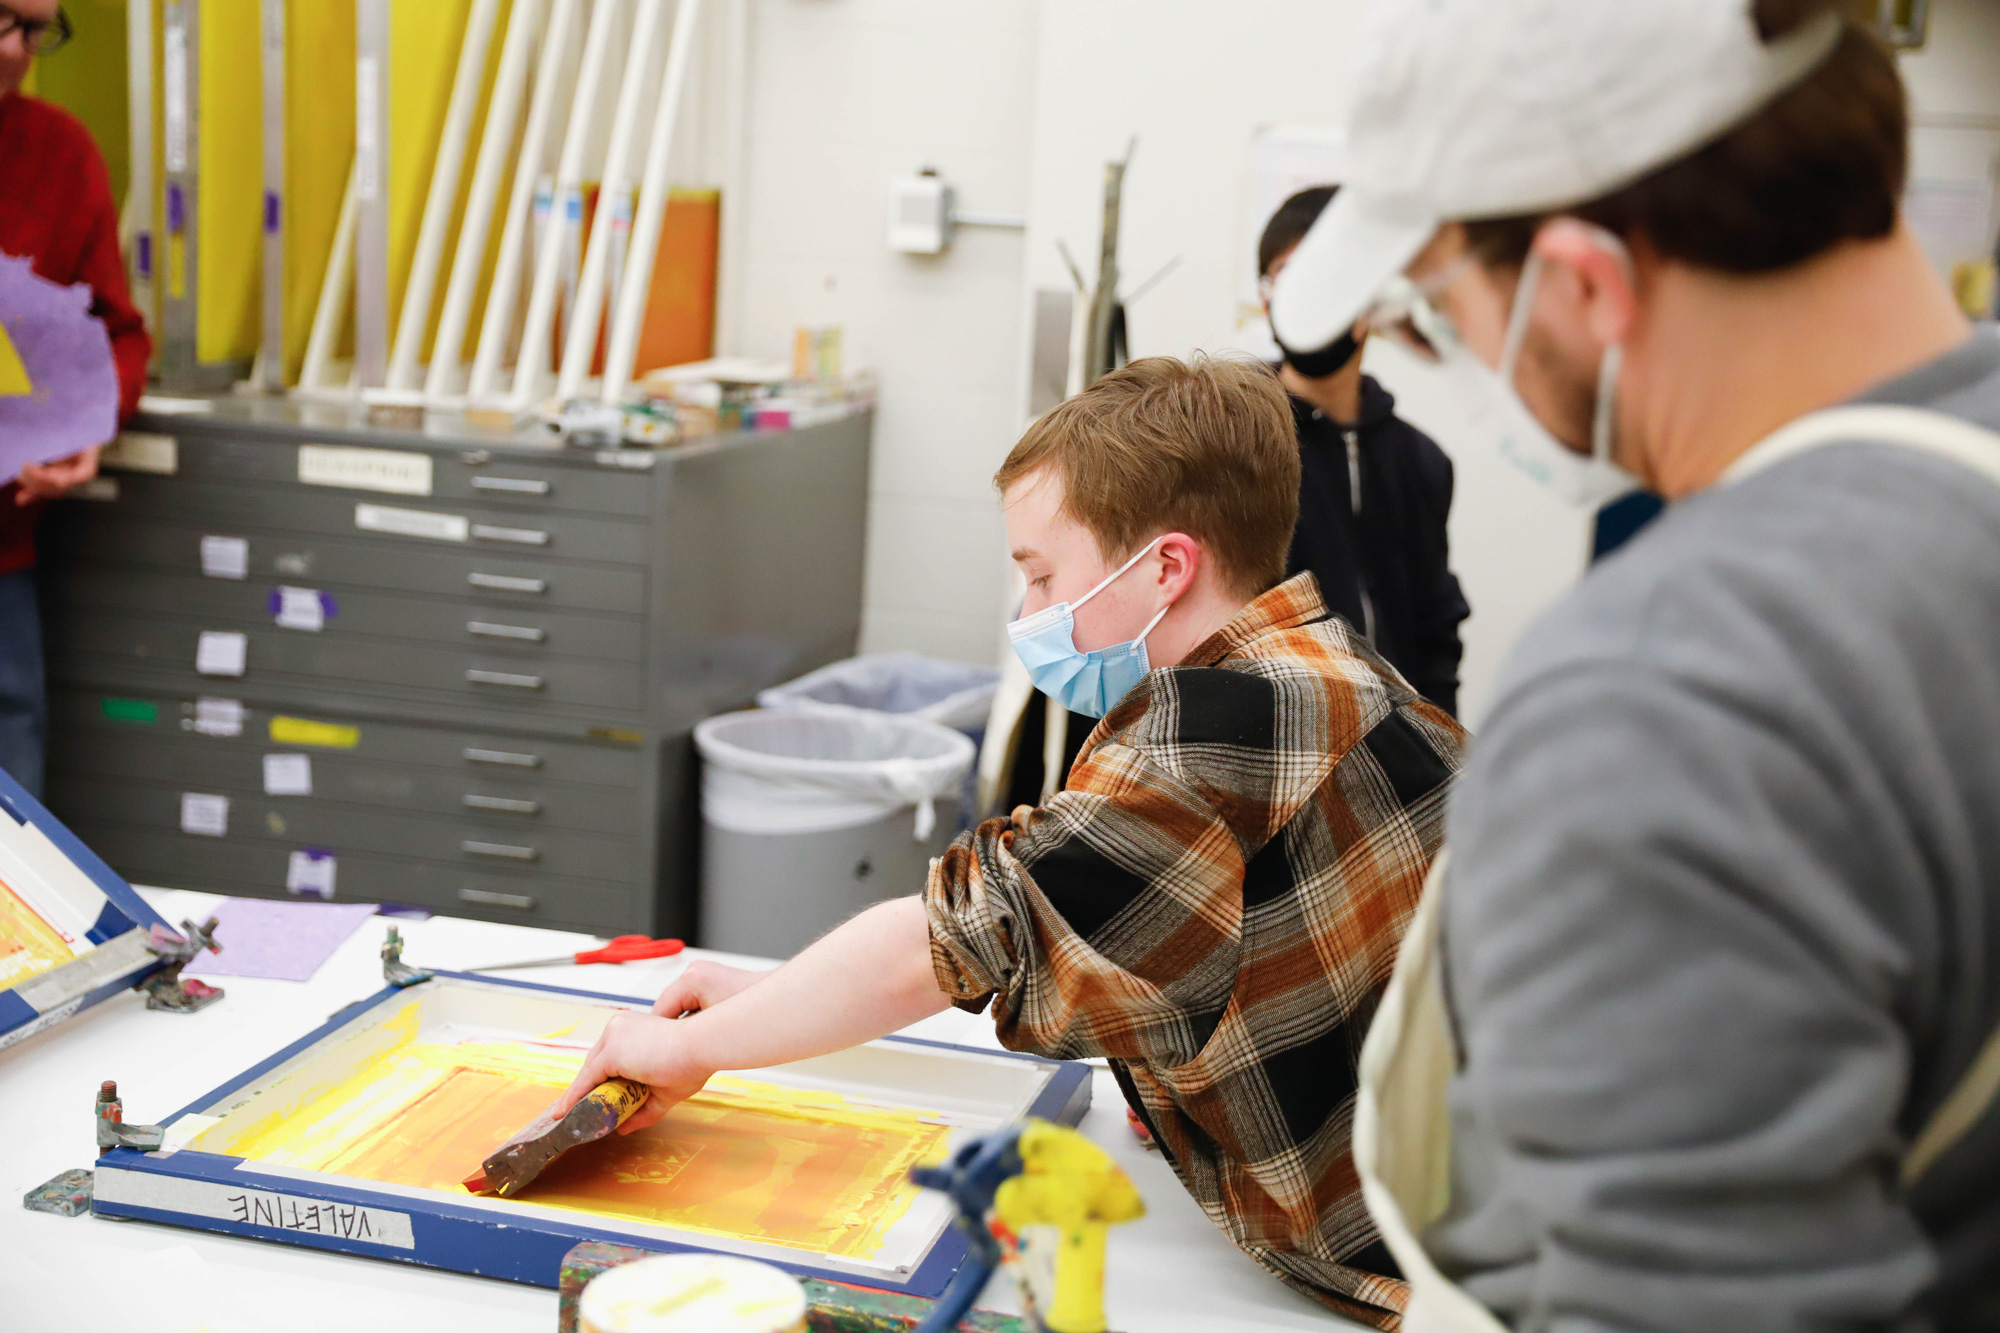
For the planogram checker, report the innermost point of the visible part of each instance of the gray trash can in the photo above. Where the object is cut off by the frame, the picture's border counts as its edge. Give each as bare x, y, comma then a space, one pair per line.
809, 816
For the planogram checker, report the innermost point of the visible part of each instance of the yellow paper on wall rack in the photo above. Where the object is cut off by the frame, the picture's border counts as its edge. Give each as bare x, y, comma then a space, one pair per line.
229, 163
425, 37
319, 150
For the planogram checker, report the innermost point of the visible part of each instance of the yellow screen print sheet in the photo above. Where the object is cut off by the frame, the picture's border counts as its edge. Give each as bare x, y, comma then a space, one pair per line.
753, 1161
28, 944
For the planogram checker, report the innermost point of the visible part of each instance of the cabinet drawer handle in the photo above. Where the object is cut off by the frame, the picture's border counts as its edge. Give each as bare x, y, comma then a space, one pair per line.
527, 633
520, 902
507, 803
519, 536
506, 582
474, 847
511, 485
507, 678
474, 754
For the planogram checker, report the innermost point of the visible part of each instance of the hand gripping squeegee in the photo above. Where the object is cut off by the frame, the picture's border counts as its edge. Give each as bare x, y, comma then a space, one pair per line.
520, 1159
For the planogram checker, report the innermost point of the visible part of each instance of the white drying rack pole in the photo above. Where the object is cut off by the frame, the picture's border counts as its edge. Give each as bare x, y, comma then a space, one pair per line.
415, 318
496, 144
531, 366
504, 295
587, 316
629, 309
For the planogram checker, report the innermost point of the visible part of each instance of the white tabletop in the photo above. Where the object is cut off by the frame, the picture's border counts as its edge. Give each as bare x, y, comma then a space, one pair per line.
1172, 1269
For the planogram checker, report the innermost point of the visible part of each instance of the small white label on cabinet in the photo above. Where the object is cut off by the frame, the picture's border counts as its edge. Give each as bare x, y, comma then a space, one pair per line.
204, 814
142, 451
221, 653
310, 874
218, 717
390, 470
288, 775
299, 608
413, 523
225, 557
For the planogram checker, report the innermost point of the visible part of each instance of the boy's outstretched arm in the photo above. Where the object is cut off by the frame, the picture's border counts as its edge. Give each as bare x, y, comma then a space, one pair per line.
862, 980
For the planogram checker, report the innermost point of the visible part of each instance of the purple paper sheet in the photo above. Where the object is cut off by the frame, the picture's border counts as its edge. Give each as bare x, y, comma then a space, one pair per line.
280, 941
74, 400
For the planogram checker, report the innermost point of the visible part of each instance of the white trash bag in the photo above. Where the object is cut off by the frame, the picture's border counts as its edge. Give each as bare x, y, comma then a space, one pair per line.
806, 771
932, 689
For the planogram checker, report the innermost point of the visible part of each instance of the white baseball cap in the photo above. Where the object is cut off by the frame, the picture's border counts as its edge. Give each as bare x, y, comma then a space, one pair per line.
1469, 109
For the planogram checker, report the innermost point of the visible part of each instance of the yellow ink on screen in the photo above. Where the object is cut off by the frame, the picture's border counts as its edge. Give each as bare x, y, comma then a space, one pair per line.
753, 1161
29, 945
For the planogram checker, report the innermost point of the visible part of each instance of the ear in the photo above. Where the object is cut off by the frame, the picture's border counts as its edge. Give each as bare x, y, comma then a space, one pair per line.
1605, 286
1180, 559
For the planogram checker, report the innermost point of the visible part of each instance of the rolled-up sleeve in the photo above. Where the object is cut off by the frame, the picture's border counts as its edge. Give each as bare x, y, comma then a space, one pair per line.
1104, 923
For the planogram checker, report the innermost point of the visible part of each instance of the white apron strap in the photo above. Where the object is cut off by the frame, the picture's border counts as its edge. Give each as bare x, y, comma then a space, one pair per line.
1402, 1122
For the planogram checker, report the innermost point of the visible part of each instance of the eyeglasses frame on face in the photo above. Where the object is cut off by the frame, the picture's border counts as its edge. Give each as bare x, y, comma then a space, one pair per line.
1406, 311
40, 36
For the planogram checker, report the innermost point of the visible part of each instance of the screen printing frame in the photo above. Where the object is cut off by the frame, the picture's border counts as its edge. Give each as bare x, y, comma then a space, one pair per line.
429, 1228
75, 875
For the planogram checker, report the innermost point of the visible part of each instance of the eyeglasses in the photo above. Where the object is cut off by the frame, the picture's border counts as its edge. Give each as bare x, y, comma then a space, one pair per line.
40, 36
1407, 312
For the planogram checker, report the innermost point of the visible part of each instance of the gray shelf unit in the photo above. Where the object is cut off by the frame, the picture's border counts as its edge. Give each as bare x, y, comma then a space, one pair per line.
498, 726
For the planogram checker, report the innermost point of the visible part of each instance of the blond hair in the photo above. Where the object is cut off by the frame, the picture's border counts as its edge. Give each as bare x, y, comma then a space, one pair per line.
1206, 447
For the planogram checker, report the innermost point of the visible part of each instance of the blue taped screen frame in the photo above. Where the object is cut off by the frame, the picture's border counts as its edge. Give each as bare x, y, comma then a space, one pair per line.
526, 1249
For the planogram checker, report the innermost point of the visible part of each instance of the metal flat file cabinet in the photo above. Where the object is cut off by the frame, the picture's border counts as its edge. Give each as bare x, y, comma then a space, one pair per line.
440, 667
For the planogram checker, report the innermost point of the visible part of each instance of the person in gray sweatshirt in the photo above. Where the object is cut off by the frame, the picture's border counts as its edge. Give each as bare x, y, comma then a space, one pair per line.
1721, 928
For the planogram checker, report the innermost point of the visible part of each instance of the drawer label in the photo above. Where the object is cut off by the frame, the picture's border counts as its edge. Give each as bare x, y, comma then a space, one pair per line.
309, 874
130, 710
205, 814
141, 451
225, 557
288, 775
390, 470
413, 523
218, 717
221, 652
305, 731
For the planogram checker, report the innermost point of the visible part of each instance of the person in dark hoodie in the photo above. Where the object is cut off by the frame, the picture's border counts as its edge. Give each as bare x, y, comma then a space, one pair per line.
1373, 498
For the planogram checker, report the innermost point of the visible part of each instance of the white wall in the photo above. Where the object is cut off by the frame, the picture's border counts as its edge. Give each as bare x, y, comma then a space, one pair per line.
843, 95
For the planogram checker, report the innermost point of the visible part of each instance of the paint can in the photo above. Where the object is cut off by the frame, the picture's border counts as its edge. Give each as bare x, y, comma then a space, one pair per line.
693, 1293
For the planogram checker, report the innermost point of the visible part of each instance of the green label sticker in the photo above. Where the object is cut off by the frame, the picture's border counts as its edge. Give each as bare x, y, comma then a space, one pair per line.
131, 710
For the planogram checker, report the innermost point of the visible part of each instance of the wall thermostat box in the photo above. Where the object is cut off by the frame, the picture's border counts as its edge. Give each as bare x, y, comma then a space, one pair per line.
920, 214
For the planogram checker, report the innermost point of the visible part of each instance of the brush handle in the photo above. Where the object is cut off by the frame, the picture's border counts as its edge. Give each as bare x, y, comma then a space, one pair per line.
517, 1162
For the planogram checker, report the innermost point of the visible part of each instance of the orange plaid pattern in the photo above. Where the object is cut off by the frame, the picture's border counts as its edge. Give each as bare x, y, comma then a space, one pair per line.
1214, 902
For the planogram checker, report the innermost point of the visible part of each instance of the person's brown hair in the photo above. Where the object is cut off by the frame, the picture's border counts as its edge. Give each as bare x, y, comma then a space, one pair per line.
1206, 447
1824, 163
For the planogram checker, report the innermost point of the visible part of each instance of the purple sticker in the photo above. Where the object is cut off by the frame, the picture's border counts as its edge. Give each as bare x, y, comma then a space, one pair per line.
271, 212
176, 209
144, 243
276, 601
328, 605
403, 911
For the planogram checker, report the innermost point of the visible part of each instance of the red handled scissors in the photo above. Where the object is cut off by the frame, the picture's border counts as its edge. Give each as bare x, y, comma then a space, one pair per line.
624, 949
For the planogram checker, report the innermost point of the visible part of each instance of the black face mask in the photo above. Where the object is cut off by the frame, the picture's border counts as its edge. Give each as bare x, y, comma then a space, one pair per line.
1328, 360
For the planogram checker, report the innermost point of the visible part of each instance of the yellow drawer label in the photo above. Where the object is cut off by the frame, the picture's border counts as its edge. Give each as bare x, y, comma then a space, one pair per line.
305, 731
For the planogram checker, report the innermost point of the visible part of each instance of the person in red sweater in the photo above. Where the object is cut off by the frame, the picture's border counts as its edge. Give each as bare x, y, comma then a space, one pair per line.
56, 211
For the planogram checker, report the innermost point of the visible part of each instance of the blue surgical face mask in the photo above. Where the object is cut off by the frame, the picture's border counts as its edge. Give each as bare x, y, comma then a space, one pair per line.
1087, 683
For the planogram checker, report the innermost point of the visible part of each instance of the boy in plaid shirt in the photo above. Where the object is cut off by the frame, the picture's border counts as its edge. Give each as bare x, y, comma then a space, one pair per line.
1214, 900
